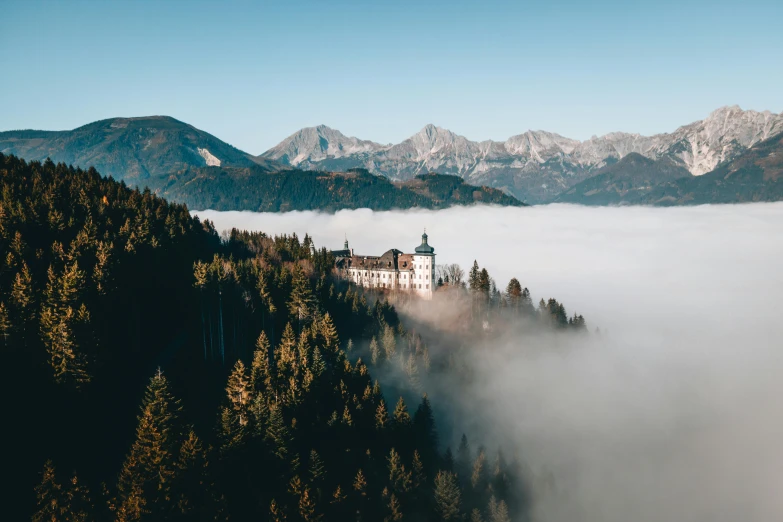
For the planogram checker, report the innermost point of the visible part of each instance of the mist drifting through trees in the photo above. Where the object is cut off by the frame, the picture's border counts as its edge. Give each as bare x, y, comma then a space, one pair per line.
672, 412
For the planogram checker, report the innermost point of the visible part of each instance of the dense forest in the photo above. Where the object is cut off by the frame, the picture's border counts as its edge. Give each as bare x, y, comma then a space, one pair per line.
161, 371
260, 189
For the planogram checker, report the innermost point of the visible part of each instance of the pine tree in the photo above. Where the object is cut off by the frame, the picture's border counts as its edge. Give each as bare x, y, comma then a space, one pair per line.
276, 514
260, 372
447, 496
301, 301
448, 460
394, 510
402, 419
478, 475
399, 478
389, 343
360, 483
23, 297
61, 316
464, 459
277, 433
498, 511
307, 507
329, 332
235, 419
426, 435
475, 516
473, 277
191, 491
514, 294
49, 497
417, 470
381, 416
375, 353
317, 469
146, 476
77, 500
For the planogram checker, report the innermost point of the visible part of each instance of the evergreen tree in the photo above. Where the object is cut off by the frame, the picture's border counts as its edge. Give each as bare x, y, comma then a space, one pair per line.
473, 277
402, 419
394, 510
329, 332
477, 477
49, 497
146, 476
235, 418
375, 354
277, 433
381, 416
426, 435
399, 478
192, 490
317, 469
514, 294
464, 459
389, 343
447, 496
260, 372
301, 301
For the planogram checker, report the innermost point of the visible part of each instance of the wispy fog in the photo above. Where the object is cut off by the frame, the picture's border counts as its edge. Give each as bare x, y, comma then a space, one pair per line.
675, 413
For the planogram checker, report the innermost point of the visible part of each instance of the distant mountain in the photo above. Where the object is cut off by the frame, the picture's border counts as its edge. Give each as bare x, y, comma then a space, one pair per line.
129, 149
629, 181
755, 175
318, 144
534, 166
264, 190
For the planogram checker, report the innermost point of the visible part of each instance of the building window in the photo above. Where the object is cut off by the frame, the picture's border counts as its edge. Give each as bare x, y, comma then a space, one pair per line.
428, 286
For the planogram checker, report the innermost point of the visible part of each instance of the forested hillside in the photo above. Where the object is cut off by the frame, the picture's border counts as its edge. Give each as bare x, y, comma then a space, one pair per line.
261, 190
161, 372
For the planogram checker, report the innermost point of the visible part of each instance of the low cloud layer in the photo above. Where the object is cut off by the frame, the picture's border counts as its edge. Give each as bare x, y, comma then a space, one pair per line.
675, 414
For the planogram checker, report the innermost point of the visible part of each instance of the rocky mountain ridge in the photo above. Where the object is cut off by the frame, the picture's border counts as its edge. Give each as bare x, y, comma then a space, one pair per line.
535, 165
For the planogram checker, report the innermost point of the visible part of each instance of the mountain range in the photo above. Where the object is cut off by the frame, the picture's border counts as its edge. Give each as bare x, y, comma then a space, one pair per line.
534, 167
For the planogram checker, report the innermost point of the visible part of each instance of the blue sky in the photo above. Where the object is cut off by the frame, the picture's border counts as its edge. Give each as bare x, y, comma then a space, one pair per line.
251, 73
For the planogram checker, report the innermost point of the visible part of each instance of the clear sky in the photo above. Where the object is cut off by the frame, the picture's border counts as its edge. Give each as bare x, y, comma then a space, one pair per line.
252, 73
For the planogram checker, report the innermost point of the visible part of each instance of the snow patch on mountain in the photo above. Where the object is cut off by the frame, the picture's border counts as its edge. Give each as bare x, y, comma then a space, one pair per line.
211, 160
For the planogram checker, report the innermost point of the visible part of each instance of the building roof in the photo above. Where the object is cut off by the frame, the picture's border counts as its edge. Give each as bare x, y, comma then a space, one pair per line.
424, 248
345, 252
388, 261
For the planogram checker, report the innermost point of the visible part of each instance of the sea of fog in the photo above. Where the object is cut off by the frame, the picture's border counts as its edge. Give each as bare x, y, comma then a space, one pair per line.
676, 411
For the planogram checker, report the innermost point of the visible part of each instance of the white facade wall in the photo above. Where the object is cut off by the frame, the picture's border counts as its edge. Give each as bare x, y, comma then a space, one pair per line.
423, 273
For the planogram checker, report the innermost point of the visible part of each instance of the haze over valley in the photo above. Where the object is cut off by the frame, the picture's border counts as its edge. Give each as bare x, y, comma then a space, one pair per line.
664, 415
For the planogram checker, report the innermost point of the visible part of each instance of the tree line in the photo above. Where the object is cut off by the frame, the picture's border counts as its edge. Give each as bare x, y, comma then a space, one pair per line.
256, 407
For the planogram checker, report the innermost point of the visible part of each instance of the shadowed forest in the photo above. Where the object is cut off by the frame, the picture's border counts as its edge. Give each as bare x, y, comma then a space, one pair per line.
159, 371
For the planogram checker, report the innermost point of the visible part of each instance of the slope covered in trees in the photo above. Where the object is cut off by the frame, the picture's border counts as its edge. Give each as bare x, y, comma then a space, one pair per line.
262, 190
162, 372
128, 149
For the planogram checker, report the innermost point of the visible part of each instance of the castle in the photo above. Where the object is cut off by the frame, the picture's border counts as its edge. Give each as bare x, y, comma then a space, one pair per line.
393, 270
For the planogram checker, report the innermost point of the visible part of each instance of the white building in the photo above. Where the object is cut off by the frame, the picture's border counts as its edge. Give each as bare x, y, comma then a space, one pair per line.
394, 270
